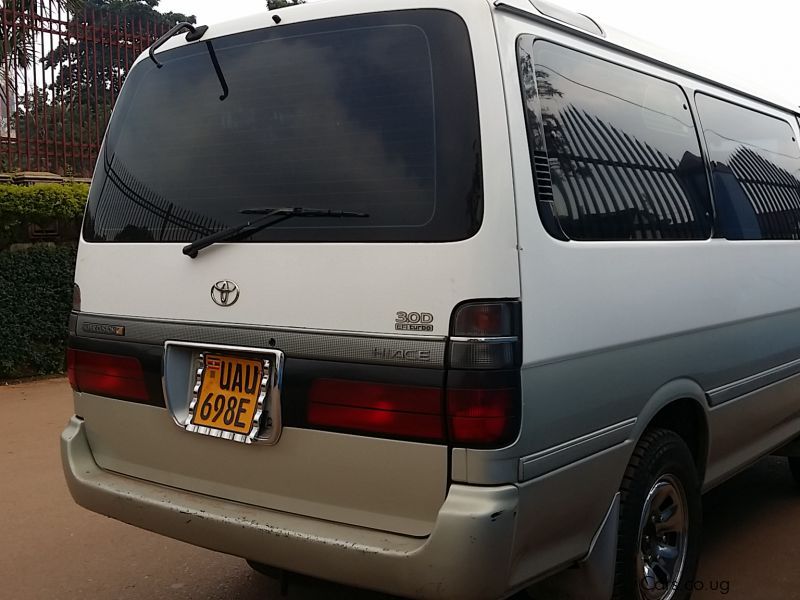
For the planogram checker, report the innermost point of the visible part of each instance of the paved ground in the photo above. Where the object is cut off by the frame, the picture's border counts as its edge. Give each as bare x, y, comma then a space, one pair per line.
52, 550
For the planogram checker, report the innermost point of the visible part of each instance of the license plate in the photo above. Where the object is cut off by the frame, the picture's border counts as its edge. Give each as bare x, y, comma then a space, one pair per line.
229, 397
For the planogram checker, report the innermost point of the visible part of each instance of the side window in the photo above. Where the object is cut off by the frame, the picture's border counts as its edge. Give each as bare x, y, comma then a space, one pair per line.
615, 152
755, 162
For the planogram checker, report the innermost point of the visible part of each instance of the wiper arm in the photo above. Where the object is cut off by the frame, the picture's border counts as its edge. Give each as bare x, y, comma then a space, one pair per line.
195, 33
269, 218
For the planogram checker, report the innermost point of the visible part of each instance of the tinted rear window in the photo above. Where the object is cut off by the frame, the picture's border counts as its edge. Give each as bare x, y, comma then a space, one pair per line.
372, 113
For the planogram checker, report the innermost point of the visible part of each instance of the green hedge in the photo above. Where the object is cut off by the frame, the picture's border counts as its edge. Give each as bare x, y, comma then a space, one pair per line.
40, 204
35, 301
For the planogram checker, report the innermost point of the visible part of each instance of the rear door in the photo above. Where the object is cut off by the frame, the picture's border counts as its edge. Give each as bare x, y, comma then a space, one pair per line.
397, 114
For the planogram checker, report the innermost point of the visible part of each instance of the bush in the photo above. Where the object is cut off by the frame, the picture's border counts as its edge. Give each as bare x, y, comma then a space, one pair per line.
39, 204
35, 302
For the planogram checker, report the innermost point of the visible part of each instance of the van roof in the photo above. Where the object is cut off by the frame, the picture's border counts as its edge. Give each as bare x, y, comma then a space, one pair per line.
539, 10
582, 25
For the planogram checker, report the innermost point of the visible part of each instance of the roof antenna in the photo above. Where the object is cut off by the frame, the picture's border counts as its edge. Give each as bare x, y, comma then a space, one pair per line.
277, 19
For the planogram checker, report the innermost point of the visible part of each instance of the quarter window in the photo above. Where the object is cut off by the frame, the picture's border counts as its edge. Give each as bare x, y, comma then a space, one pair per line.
616, 154
755, 161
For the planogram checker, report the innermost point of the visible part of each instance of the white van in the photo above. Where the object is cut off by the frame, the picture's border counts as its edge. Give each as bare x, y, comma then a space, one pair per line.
439, 298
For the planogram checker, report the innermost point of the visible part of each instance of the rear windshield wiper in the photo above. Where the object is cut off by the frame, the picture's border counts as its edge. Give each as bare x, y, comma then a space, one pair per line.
195, 33
269, 218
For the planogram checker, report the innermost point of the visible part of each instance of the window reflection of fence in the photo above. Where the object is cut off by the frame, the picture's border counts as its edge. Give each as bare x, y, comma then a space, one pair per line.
773, 192
131, 211
60, 74
612, 185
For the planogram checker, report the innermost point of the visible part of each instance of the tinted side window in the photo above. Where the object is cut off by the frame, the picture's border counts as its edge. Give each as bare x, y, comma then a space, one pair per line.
622, 150
755, 162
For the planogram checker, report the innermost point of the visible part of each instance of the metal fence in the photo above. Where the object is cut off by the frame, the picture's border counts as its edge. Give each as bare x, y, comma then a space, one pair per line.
60, 73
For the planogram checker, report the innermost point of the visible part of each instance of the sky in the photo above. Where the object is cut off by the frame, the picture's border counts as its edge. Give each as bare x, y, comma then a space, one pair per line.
755, 42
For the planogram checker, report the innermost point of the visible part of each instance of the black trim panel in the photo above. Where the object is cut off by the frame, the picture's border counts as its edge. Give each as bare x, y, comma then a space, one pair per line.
426, 353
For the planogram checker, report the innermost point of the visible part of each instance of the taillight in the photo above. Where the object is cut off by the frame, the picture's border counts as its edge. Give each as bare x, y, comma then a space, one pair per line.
106, 375
483, 383
478, 407
485, 319
482, 417
76, 298
383, 409
485, 335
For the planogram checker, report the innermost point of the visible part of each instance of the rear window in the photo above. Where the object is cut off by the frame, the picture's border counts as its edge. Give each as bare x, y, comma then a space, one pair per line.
372, 113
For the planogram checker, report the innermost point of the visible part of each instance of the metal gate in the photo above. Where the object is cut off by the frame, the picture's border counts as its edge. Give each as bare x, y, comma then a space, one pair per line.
61, 70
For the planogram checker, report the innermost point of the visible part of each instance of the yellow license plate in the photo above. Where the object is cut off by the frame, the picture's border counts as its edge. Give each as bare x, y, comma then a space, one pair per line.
229, 394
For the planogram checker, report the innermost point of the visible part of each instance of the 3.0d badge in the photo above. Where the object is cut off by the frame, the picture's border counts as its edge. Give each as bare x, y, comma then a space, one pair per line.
225, 293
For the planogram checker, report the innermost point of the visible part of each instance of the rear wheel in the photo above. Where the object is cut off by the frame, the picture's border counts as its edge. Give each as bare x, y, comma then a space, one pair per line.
660, 515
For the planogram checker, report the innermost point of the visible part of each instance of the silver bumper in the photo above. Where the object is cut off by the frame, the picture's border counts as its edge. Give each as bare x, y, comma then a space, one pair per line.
467, 556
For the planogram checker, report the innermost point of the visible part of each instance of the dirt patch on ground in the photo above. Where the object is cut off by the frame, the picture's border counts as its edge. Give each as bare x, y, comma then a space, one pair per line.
25, 380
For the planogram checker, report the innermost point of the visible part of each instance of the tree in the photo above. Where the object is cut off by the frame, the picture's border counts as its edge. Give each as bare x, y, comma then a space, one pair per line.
273, 4
17, 39
546, 129
88, 67
91, 68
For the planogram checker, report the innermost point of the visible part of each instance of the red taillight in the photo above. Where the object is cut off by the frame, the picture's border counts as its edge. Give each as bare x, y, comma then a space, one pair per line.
393, 410
474, 418
106, 375
482, 417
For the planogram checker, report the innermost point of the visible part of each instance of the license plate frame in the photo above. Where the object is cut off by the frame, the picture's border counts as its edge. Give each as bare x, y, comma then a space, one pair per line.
266, 421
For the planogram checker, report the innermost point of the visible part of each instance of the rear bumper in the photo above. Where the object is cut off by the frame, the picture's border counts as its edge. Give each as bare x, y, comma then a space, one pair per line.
467, 556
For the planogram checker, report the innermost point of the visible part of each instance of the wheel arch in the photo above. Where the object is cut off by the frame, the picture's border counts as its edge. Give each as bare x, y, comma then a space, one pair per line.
680, 406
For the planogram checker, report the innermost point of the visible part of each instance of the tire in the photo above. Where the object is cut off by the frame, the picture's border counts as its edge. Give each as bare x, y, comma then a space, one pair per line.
794, 467
659, 500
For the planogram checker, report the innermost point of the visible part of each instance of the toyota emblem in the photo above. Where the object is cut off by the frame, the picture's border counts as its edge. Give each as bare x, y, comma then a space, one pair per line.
225, 293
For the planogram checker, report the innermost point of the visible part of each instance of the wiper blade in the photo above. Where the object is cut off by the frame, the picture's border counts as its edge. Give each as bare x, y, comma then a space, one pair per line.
303, 212
269, 218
